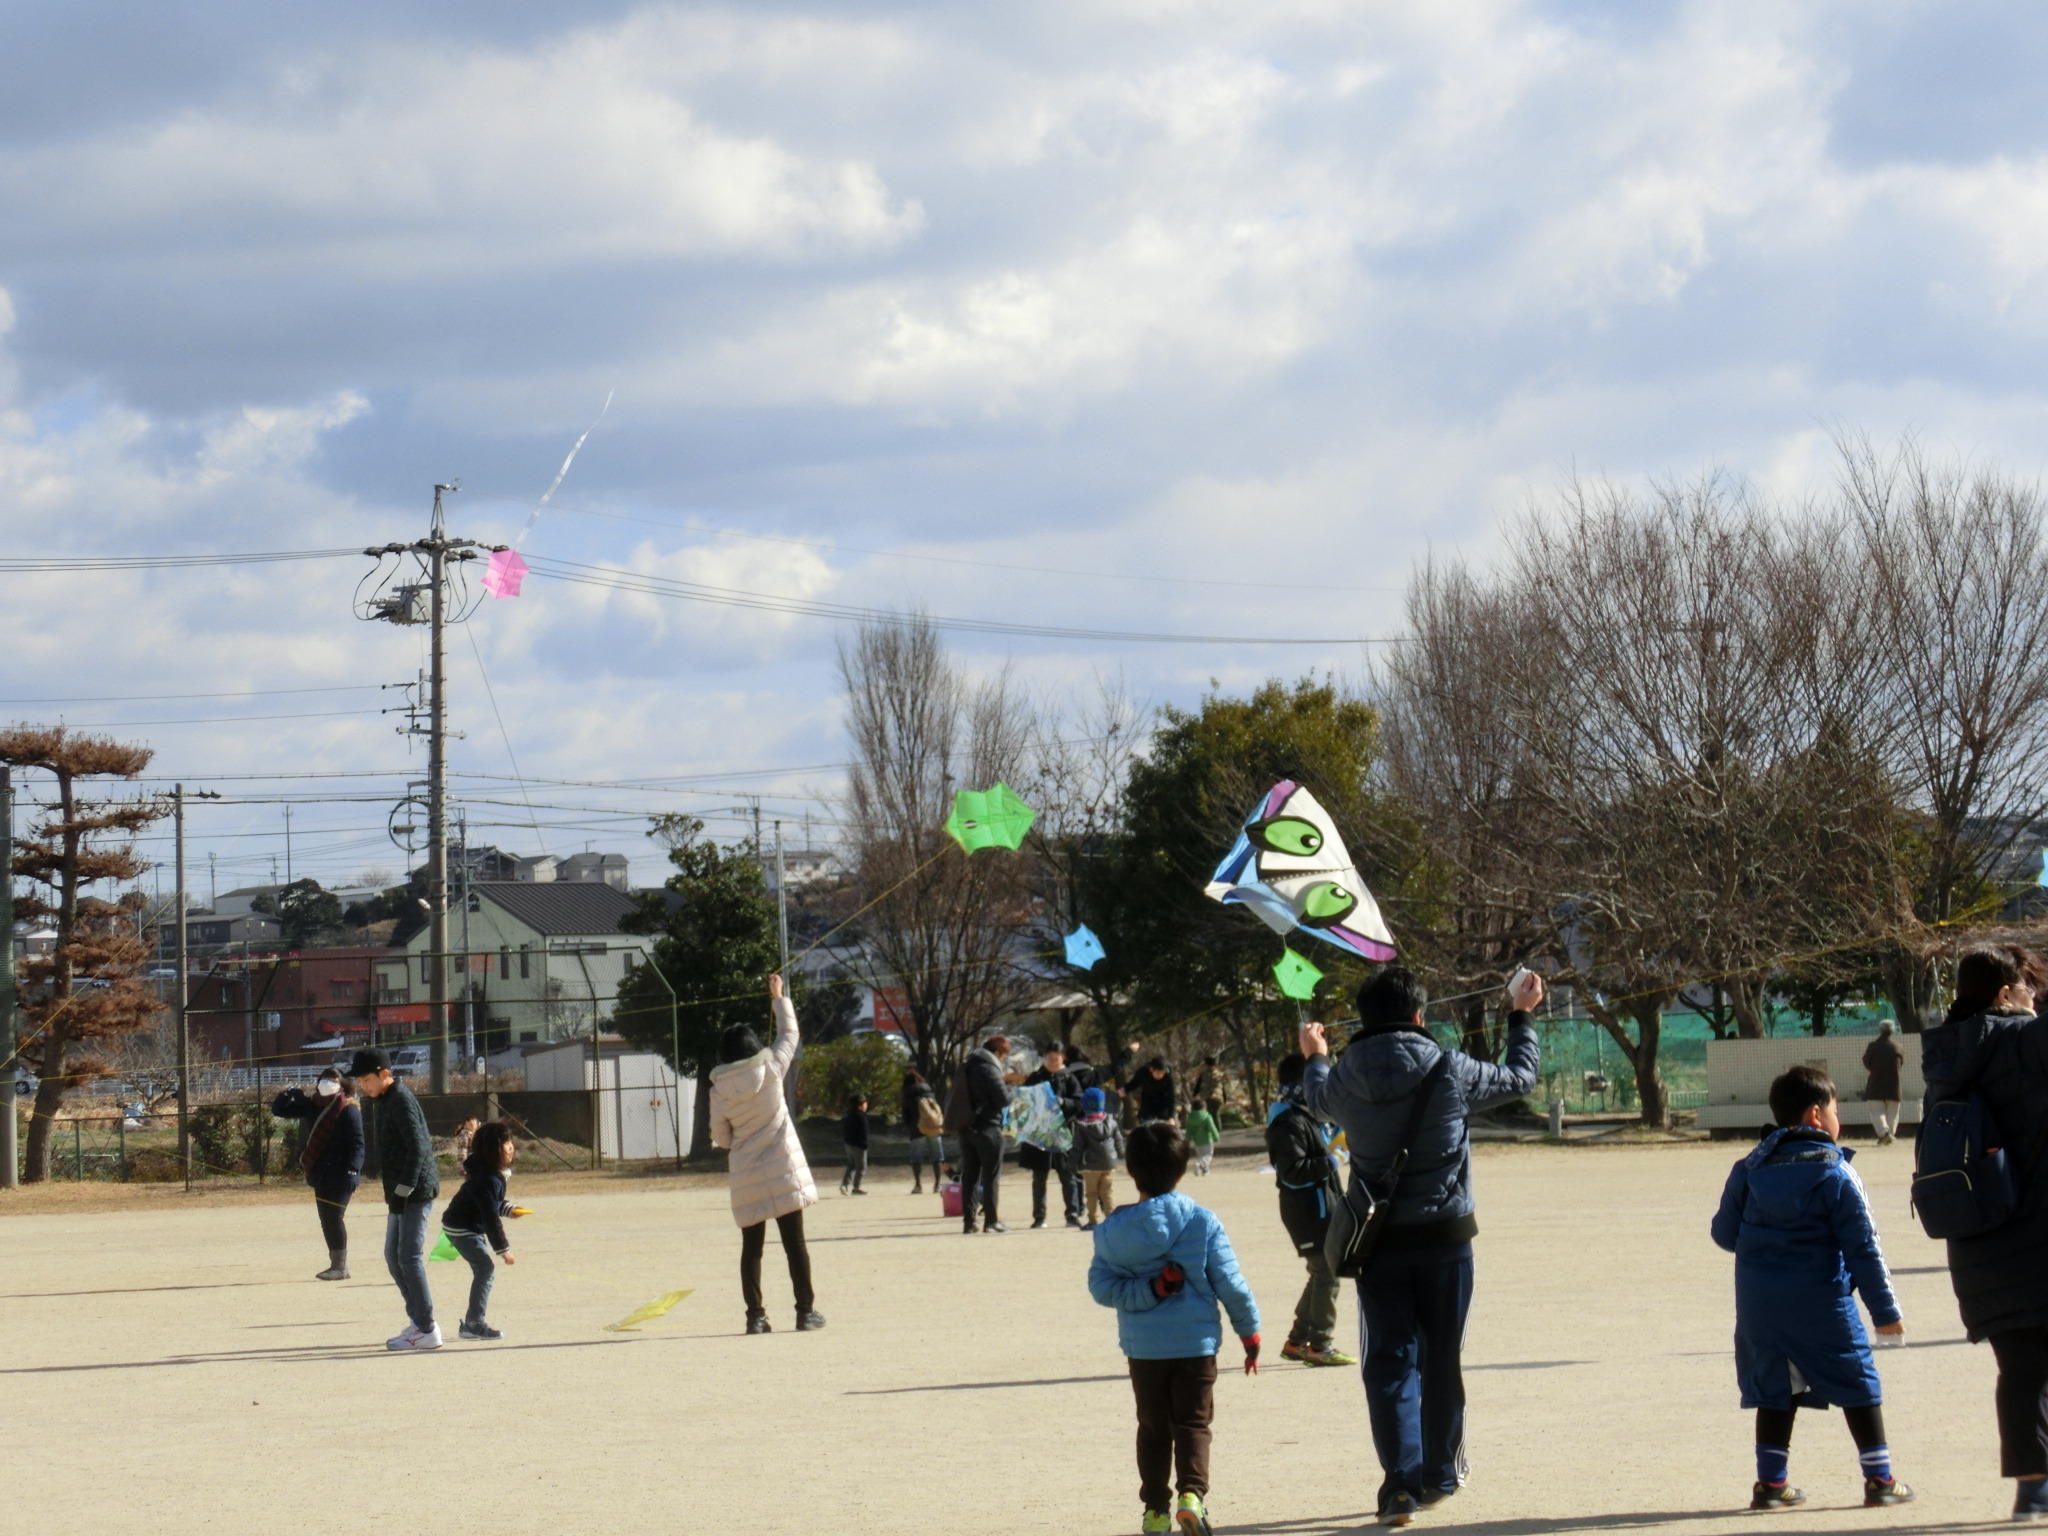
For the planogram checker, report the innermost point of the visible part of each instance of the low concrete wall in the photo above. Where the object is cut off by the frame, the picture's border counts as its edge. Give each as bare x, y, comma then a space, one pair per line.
1740, 1072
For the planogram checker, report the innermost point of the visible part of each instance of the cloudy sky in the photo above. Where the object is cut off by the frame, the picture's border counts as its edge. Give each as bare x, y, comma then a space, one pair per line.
1163, 317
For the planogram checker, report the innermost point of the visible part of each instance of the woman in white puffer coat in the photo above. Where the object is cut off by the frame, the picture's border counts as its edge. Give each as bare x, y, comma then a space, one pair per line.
770, 1176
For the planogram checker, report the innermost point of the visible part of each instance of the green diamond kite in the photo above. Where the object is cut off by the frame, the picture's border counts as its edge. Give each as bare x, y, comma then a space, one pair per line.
1297, 977
989, 818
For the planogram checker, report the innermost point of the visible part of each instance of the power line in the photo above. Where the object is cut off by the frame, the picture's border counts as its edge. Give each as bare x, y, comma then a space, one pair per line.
131, 725
37, 563
733, 597
239, 693
988, 565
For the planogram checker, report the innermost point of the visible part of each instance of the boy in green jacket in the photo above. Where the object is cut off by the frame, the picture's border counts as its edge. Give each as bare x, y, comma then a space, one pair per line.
1203, 1135
405, 1153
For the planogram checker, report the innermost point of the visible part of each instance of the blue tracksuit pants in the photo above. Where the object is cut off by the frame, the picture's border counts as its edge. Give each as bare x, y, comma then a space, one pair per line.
1412, 1304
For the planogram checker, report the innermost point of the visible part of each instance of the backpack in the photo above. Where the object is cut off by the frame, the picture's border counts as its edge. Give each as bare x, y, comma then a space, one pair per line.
1356, 1229
931, 1120
1962, 1184
959, 1114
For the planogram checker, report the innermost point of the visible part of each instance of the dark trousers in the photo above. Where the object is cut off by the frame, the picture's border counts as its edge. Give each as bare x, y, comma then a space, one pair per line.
1176, 1401
1062, 1166
483, 1270
2022, 1401
755, 1238
981, 1167
1411, 1322
1315, 1314
332, 1204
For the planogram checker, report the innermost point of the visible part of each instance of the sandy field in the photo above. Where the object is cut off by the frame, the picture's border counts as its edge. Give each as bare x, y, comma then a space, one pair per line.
174, 1368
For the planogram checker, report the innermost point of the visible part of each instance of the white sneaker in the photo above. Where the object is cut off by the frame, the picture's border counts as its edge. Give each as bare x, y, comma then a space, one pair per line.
413, 1338
404, 1339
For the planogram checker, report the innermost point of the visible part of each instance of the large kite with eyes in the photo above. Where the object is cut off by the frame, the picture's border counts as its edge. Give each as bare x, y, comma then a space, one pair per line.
1290, 866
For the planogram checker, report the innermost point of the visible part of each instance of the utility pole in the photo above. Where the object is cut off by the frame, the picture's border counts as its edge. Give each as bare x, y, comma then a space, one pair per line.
212, 882
468, 961
10, 1165
401, 605
287, 845
184, 1004
781, 901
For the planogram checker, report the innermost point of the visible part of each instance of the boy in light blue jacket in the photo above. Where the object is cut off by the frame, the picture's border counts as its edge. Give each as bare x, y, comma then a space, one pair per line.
1164, 1264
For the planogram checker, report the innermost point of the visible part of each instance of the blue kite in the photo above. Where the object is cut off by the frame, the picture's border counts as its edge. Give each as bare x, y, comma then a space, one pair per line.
1084, 950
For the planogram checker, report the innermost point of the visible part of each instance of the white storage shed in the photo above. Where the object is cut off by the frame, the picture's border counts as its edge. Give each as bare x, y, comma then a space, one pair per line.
643, 1110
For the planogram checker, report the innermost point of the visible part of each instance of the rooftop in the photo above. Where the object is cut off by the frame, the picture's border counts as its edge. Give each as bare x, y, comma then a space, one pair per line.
559, 907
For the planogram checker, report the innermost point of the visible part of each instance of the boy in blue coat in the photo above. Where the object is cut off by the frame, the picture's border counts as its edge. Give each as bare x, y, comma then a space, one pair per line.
1164, 1263
1795, 1217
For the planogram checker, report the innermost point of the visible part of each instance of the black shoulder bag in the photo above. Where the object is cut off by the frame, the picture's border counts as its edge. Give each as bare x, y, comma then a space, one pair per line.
1359, 1219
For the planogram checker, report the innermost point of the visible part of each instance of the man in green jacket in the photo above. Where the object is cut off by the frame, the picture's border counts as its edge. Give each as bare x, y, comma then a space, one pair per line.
405, 1153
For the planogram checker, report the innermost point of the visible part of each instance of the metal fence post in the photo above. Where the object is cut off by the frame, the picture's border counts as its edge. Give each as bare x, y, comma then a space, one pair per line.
121, 1126
77, 1151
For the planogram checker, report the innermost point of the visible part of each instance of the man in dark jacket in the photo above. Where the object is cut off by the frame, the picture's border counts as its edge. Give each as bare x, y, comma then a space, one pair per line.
1994, 1046
411, 1181
1307, 1177
1417, 1289
981, 1143
1067, 1089
1157, 1094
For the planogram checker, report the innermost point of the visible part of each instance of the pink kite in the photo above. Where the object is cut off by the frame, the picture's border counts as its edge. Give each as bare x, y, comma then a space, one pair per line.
506, 572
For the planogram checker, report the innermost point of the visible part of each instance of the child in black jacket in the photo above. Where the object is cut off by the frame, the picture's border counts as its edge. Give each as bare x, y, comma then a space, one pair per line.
1307, 1177
853, 1130
475, 1221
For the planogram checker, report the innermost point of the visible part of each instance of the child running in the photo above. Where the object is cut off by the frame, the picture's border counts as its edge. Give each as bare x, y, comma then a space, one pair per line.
475, 1221
1098, 1148
1795, 1217
1163, 1264
853, 1130
1203, 1136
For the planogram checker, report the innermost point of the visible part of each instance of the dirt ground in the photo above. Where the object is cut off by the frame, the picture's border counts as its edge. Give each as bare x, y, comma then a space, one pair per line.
173, 1367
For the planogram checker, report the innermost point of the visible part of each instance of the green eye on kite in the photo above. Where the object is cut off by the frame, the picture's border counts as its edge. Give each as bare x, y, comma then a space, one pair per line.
1289, 835
1326, 903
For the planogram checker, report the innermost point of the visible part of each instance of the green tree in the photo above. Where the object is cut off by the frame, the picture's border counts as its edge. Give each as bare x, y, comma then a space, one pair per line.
306, 915
715, 941
1180, 956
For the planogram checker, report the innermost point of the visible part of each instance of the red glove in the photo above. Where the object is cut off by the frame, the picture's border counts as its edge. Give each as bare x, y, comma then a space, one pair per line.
1168, 1281
1251, 1355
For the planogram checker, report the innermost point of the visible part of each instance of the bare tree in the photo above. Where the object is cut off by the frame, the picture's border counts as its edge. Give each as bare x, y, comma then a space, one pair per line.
1959, 578
943, 926
87, 992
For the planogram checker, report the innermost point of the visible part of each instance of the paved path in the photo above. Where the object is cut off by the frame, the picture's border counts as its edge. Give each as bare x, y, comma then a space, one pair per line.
179, 1371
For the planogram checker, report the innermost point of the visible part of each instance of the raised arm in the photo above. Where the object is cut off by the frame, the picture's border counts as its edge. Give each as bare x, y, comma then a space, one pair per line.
787, 1037
1488, 1083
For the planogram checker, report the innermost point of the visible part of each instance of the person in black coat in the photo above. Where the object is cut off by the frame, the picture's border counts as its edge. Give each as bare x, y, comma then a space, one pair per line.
331, 1153
1157, 1094
1993, 1045
1047, 1160
853, 1131
475, 1221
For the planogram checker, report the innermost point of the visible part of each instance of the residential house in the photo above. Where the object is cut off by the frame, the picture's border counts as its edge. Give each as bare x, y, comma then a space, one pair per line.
531, 961
284, 1009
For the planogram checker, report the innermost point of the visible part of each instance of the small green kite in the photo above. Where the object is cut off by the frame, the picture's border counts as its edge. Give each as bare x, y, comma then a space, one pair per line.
443, 1250
989, 818
1297, 977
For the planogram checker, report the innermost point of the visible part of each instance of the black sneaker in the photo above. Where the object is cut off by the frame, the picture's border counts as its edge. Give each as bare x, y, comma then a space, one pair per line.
1040, 1222
807, 1321
1775, 1496
1893, 1491
1431, 1497
1399, 1509
757, 1322
470, 1330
